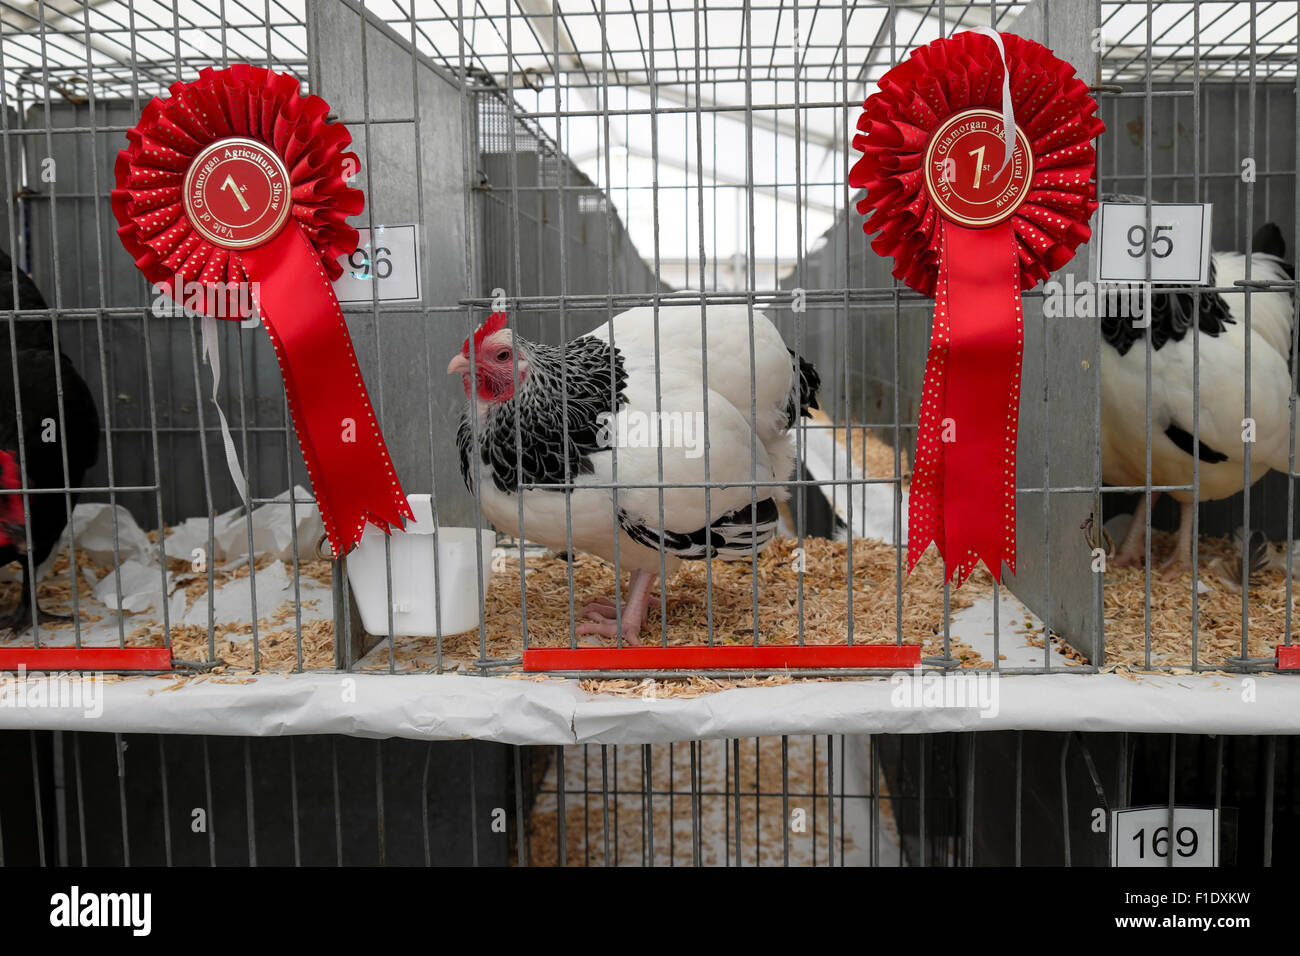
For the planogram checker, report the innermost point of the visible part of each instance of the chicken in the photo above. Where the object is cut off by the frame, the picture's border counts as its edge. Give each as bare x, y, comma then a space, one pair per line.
604, 384
1220, 328
40, 369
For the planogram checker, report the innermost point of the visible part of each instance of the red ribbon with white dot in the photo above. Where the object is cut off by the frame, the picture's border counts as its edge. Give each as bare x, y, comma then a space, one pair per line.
972, 227
236, 180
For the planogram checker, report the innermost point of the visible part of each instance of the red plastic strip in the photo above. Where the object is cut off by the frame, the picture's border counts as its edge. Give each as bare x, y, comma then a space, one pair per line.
86, 658
1288, 657
729, 657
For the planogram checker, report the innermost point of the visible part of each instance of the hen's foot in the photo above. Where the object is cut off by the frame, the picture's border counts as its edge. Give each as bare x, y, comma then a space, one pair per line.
604, 620
610, 629
600, 609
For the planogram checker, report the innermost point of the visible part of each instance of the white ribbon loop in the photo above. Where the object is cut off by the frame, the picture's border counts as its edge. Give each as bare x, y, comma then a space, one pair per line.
212, 355
1008, 112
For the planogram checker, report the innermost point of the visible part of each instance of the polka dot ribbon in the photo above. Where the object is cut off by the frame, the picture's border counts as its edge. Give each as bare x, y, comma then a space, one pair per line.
974, 247
288, 270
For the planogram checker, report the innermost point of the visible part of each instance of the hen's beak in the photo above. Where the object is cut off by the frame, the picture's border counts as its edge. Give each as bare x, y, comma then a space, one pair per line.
458, 365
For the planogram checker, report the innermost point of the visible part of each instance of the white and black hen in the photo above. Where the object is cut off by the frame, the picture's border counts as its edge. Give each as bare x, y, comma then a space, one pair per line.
609, 392
1219, 328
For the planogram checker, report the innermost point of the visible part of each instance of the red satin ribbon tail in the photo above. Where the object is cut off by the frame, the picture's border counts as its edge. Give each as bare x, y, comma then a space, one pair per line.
980, 286
964, 479
347, 460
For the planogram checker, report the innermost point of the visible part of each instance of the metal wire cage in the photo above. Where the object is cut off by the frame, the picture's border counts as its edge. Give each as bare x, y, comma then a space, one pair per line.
588, 160
862, 800
568, 161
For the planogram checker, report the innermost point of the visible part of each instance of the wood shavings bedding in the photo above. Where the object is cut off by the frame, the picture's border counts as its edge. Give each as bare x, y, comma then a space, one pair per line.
1218, 612
826, 596
825, 601
687, 688
277, 644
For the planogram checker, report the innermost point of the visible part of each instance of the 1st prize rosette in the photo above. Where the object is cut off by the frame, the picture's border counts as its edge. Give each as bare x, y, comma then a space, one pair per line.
237, 178
979, 168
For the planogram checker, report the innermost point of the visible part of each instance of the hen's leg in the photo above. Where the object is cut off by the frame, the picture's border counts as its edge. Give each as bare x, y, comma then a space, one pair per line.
1132, 550
602, 608
1181, 559
634, 609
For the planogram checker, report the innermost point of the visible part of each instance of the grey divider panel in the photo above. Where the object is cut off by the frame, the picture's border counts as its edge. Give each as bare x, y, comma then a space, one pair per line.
402, 349
1225, 123
1059, 407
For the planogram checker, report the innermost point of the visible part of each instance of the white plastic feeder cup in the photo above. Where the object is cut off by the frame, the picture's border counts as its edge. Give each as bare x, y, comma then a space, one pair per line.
415, 601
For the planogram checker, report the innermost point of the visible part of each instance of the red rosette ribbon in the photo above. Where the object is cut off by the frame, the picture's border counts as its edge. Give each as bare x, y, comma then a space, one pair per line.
238, 178
973, 212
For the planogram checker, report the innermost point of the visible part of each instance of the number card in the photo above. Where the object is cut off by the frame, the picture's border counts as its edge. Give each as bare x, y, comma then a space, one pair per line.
1177, 244
1140, 836
389, 261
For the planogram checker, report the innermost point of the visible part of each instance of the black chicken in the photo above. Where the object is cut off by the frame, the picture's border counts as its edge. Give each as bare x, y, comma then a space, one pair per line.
42, 433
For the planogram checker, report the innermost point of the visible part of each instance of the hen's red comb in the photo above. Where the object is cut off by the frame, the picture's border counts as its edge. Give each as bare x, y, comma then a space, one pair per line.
495, 323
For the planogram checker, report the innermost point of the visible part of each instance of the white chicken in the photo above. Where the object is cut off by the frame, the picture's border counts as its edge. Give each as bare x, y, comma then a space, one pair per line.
1221, 330
622, 419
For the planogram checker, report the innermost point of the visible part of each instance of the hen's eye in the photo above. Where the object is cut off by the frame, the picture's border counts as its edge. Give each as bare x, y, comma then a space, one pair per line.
503, 355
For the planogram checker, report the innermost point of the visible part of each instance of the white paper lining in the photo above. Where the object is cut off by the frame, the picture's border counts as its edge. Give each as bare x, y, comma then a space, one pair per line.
455, 707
